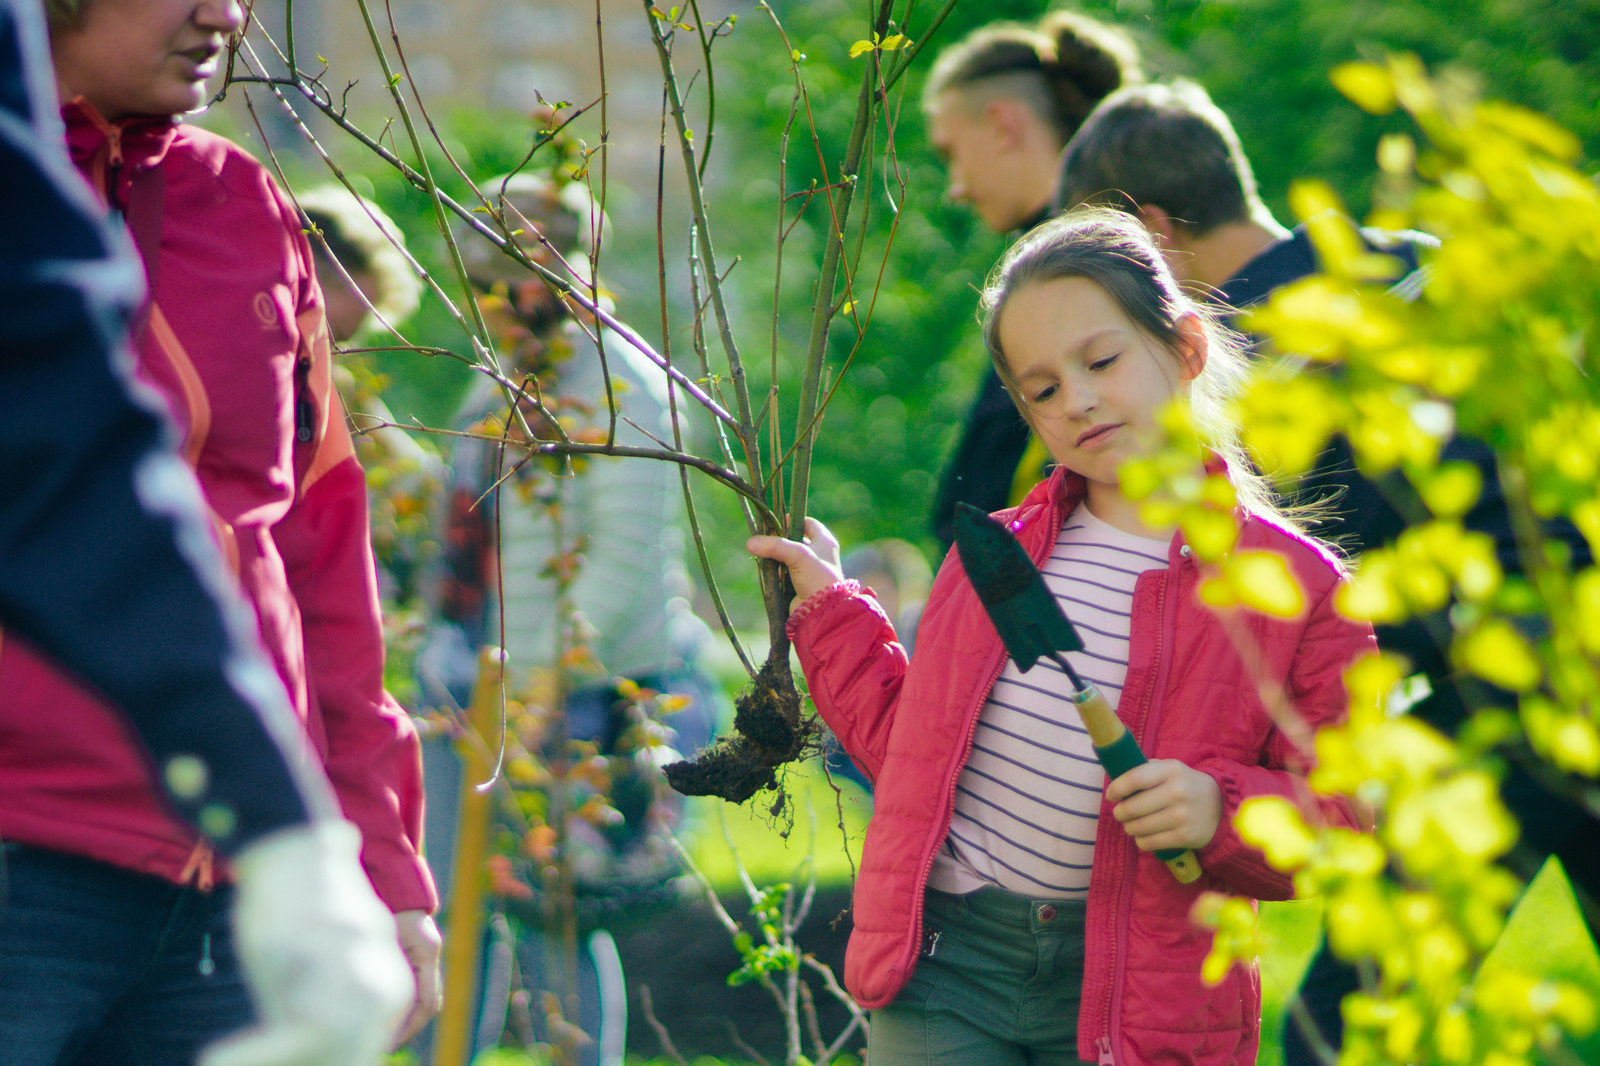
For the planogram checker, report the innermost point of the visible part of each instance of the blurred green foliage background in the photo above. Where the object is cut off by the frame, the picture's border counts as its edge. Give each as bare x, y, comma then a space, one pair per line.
897, 411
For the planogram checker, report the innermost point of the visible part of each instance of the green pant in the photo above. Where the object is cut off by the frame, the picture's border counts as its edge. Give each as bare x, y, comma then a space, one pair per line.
998, 984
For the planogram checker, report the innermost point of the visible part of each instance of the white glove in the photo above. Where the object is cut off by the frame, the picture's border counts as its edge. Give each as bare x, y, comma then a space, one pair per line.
319, 951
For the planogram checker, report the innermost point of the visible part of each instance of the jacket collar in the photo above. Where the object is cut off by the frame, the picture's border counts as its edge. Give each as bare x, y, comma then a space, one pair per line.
117, 152
1054, 498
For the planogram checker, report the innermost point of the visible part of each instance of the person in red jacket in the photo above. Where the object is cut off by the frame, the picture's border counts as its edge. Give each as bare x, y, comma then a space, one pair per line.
1009, 907
232, 336
106, 565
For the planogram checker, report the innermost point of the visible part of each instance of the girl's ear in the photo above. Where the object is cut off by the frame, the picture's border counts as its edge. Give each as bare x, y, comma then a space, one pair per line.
1191, 346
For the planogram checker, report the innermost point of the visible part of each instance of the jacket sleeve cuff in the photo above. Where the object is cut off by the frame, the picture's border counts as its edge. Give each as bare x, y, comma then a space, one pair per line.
1230, 857
820, 599
1226, 840
402, 882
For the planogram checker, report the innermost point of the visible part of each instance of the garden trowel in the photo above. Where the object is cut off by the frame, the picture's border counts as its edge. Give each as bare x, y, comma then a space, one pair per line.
1032, 626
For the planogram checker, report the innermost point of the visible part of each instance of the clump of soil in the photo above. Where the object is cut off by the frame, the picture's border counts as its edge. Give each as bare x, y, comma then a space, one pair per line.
769, 733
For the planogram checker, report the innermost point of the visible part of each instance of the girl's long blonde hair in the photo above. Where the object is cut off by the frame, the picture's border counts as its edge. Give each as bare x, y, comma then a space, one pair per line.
1114, 250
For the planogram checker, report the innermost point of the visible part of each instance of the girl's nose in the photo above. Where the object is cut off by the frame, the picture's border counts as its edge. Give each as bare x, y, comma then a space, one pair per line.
223, 16
1081, 398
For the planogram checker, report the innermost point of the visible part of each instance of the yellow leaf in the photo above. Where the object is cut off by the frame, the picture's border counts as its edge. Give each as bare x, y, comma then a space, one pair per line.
1321, 317
860, 48
1567, 739
1586, 609
1215, 967
1275, 826
1330, 228
1359, 922
1217, 593
894, 42
1461, 817
1370, 594
1351, 854
1218, 492
1261, 579
1453, 1035
1140, 478
1211, 533
1367, 85
1159, 513
1286, 423
1586, 516
1397, 153
1370, 679
1531, 128
1496, 652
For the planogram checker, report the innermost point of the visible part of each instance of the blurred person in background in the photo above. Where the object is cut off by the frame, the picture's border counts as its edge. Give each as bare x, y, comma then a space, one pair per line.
1000, 105
576, 568
370, 290
367, 283
129, 896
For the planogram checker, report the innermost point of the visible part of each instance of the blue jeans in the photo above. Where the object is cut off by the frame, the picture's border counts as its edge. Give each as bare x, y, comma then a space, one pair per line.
99, 965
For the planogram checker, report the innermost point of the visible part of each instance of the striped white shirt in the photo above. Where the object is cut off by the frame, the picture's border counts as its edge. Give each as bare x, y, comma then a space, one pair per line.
1028, 800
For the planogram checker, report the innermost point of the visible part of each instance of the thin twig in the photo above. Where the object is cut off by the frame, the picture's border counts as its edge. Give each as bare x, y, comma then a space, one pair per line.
668, 1048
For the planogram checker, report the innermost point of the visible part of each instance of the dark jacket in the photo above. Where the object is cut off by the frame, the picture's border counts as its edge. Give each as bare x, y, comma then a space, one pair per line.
984, 465
1364, 513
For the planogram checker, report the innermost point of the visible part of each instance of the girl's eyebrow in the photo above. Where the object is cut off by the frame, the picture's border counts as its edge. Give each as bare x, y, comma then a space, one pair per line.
1088, 342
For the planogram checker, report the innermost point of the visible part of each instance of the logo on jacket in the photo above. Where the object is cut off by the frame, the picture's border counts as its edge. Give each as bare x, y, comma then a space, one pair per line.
266, 309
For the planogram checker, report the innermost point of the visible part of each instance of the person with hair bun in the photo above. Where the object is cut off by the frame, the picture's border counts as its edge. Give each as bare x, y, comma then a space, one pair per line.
1004, 101
1001, 104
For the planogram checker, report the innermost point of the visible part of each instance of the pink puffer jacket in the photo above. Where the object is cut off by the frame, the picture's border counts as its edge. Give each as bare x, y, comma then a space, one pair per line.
234, 340
1190, 694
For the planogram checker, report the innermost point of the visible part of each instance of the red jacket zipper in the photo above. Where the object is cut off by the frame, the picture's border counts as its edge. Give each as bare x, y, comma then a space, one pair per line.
966, 753
1145, 727
949, 814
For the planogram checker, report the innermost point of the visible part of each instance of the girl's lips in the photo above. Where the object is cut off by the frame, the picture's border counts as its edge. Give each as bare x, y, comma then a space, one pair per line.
1097, 435
203, 58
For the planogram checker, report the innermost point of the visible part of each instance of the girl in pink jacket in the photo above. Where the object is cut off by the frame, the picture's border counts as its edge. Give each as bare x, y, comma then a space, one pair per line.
1009, 908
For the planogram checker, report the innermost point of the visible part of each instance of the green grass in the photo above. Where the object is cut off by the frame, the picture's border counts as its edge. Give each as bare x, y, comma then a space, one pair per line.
1546, 936
820, 828
1289, 935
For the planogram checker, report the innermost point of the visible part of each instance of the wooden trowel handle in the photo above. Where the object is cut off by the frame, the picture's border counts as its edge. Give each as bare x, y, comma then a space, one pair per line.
1118, 753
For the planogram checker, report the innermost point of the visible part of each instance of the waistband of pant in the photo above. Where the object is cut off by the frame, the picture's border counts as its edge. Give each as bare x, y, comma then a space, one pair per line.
998, 904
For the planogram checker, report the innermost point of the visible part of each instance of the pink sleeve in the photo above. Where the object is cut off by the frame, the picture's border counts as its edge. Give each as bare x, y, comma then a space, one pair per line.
1315, 689
369, 745
854, 666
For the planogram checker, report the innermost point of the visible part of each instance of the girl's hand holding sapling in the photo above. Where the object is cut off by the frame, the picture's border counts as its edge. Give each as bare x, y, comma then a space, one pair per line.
1167, 804
813, 563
